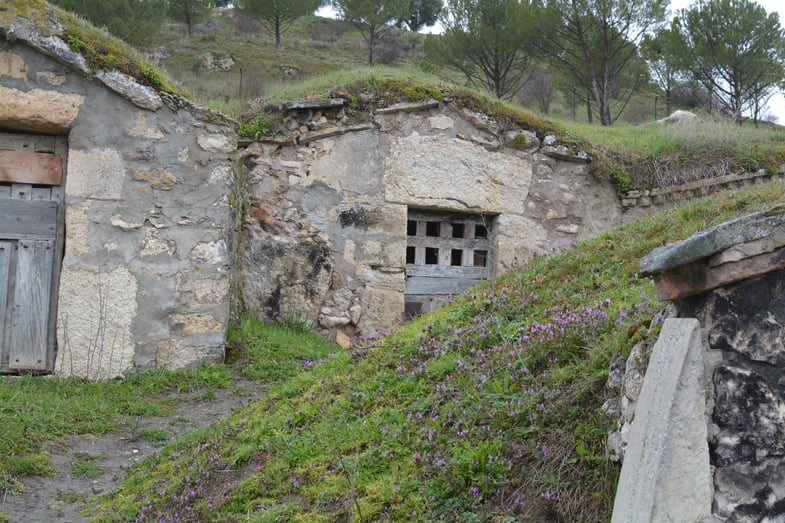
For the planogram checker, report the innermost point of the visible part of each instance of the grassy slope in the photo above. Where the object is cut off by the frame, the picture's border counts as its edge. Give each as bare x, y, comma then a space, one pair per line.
486, 410
499, 420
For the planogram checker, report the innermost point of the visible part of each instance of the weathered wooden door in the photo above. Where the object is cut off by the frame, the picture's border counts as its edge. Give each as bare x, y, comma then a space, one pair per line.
32, 179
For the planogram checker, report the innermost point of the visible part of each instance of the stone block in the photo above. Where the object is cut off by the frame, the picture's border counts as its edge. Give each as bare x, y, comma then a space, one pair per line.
453, 174
666, 473
94, 325
38, 110
196, 324
158, 179
96, 173
13, 65
217, 142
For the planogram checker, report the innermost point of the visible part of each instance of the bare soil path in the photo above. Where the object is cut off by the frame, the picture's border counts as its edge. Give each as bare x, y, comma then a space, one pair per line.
60, 498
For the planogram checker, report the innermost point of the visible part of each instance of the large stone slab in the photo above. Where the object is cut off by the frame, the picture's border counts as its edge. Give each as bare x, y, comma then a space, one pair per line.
716, 239
450, 173
666, 474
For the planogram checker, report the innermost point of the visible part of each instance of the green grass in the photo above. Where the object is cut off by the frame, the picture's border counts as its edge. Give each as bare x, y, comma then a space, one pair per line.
154, 435
37, 411
659, 155
85, 468
485, 410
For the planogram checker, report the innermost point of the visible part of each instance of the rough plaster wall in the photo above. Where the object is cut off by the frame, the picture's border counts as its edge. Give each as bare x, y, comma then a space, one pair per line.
146, 266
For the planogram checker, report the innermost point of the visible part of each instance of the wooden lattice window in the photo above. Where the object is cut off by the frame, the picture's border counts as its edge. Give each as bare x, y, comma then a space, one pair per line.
445, 254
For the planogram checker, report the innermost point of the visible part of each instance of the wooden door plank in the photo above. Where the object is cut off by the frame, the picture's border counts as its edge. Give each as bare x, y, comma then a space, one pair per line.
28, 219
6, 252
21, 191
42, 193
448, 271
30, 167
44, 143
30, 316
435, 286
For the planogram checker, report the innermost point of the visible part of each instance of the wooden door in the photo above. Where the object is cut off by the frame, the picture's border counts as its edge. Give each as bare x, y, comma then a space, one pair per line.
32, 180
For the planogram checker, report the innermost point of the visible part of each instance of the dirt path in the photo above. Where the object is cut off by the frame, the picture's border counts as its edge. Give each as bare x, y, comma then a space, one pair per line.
59, 499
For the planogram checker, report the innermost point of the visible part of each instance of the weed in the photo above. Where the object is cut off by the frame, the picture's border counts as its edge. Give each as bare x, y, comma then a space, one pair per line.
85, 469
154, 435
70, 497
76, 45
256, 128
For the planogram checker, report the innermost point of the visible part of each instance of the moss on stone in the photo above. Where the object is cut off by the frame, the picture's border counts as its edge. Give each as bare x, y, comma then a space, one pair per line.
100, 49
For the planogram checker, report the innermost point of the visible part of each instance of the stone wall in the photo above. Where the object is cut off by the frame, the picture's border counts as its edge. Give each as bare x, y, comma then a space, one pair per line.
146, 268
325, 237
639, 204
732, 279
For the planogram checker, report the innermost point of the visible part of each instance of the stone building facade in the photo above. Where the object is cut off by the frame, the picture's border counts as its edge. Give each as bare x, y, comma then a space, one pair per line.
115, 214
356, 223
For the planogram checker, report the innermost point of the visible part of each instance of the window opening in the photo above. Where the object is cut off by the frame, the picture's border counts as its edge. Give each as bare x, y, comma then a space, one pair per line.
411, 227
480, 258
411, 253
480, 231
458, 230
432, 229
456, 257
431, 256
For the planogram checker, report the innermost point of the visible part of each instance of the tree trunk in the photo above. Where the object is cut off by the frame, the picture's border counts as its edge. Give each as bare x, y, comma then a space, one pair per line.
589, 113
371, 43
277, 33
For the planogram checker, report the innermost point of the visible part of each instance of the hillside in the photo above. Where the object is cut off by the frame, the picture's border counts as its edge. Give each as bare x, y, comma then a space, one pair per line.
487, 410
320, 56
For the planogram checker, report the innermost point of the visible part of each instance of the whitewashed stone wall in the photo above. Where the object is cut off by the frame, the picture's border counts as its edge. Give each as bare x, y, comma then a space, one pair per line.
146, 269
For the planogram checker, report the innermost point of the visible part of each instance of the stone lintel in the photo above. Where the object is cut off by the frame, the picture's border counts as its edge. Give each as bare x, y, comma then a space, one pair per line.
409, 107
742, 230
327, 133
320, 103
562, 153
701, 276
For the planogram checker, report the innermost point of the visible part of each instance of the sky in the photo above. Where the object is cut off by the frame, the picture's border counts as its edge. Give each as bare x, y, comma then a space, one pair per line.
776, 103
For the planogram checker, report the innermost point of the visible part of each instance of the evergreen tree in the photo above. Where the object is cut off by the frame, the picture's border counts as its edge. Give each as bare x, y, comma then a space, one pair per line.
489, 41
277, 15
374, 19
421, 13
596, 42
135, 21
663, 52
189, 12
735, 49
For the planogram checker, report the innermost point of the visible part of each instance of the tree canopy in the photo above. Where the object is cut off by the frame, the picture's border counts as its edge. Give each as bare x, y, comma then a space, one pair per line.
663, 51
489, 41
421, 13
735, 49
596, 41
189, 12
277, 15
